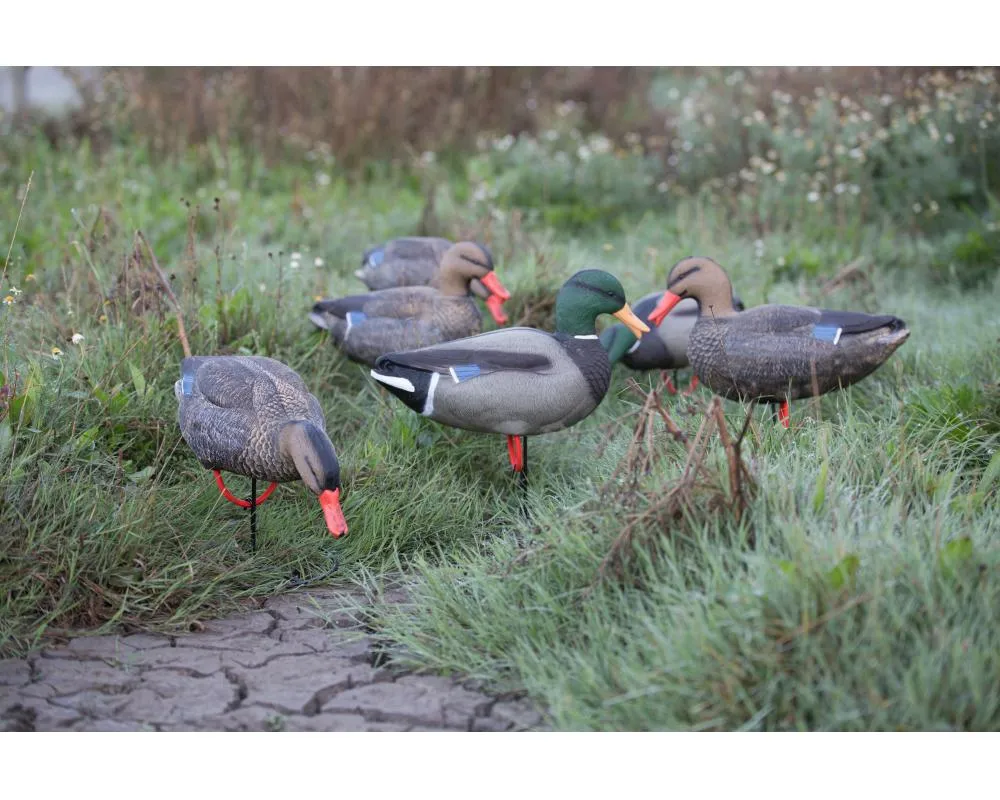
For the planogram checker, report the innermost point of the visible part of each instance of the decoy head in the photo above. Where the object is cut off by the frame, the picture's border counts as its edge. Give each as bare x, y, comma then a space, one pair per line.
699, 278
469, 265
588, 294
312, 451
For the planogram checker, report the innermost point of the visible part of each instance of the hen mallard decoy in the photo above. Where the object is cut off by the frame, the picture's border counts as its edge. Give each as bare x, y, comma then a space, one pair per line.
254, 416
774, 353
665, 348
518, 381
366, 326
416, 260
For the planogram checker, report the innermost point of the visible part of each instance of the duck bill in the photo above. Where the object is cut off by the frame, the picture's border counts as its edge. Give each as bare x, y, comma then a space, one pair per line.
492, 282
632, 322
335, 522
495, 305
664, 307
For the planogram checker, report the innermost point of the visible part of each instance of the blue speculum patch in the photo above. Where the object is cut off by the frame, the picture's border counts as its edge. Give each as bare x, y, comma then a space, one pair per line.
464, 371
376, 258
354, 317
187, 383
827, 333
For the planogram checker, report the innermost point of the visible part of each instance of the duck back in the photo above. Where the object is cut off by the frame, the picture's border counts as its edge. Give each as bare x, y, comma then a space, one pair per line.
778, 352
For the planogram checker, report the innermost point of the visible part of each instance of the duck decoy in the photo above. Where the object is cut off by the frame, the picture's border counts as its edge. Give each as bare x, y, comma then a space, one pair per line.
253, 416
774, 353
416, 260
517, 381
665, 348
365, 326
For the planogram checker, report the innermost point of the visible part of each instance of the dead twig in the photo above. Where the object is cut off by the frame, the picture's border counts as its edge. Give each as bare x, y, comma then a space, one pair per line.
181, 330
809, 627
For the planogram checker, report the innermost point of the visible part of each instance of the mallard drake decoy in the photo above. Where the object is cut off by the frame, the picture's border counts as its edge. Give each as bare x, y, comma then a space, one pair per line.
774, 353
365, 326
518, 381
254, 416
665, 348
416, 260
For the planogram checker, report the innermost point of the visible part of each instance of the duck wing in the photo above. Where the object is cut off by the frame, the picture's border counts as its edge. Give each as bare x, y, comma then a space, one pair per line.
467, 363
243, 382
406, 302
512, 349
819, 323
340, 306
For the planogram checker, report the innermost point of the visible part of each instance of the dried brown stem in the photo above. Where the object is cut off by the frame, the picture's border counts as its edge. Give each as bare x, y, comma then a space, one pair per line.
181, 330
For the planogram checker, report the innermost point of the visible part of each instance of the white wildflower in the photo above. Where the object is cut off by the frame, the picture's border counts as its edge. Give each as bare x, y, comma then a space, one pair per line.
77, 338
322, 179
812, 197
317, 262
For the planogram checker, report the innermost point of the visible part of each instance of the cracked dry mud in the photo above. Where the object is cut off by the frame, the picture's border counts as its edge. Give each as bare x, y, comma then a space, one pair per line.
298, 664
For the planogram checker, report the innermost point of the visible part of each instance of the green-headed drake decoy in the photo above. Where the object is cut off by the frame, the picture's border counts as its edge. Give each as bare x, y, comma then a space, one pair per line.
254, 416
774, 353
665, 348
416, 260
518, 381
366, 326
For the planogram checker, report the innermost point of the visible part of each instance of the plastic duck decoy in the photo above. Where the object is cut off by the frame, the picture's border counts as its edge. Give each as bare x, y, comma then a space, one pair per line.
518, 381
665, 348
253, 416
774, 353
366, 326
416, 260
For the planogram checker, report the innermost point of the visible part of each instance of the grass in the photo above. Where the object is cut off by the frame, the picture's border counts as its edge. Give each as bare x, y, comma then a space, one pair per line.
860, 590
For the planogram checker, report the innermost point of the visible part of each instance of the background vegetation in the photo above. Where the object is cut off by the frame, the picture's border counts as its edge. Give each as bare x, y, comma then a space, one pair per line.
857, 590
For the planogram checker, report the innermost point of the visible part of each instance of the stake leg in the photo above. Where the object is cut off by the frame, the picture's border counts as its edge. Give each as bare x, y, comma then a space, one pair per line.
253, 515
523, 476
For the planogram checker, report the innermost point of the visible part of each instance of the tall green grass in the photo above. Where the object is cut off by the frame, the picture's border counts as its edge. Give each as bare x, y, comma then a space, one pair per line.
858, 592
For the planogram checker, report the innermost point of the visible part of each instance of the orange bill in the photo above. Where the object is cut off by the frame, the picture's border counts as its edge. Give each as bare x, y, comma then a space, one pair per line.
664, 307
495, 305
335, 522
632, 322
492, 282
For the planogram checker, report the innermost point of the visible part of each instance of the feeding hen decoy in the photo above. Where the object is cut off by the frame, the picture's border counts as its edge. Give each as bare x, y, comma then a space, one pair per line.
366, 326
665, 348
254, 416
518, 381
416, 261
774, 353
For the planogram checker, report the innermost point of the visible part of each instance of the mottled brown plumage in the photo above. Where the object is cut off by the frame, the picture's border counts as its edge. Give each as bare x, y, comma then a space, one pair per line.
254, 416
774, 353
370, 325
407, 261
